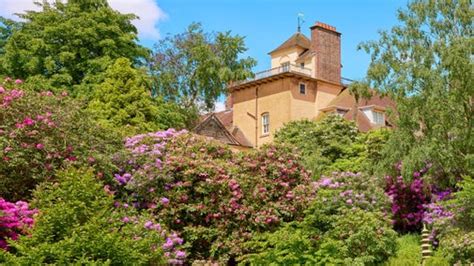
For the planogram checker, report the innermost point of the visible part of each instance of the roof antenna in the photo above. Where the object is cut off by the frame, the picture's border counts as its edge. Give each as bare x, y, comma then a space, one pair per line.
300, 21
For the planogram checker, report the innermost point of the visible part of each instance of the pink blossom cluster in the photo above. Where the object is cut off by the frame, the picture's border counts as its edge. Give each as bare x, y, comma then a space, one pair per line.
171, 244
8, 96
355, 190
15, 219
136, 144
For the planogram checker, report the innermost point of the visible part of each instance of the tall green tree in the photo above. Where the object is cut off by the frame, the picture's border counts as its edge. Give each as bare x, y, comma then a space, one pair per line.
194, 68
69, 42
7, 26
426, 64
122, 101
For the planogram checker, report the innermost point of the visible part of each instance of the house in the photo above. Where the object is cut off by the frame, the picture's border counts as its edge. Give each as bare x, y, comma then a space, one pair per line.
304, 82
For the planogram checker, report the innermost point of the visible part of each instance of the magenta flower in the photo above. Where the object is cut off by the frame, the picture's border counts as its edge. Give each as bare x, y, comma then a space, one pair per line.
180, 254
2, 89
18, 81
165, 201
39, 146
28, 121
148, 225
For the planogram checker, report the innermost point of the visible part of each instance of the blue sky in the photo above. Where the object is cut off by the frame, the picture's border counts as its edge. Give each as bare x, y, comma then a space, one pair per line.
264, 23
267, 23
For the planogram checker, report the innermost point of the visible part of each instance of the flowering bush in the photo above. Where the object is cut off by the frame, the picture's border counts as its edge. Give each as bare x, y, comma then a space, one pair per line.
215, 197
15, 219
78, 224
42, 132
345, 224
408, 199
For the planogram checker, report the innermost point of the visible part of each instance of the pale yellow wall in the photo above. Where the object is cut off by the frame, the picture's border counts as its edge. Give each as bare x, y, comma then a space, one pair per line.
325, 94
244, 102
274, 98
282, 100
303, 106
287, 55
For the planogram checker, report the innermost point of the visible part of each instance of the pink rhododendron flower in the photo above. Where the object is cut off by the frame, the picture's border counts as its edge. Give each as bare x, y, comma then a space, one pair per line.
18, 81
28, 121
39, 146
165, 201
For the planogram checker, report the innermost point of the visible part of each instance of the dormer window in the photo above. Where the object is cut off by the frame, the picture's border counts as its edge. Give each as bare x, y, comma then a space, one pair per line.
302, 88
285, 66
265, 124
379, 118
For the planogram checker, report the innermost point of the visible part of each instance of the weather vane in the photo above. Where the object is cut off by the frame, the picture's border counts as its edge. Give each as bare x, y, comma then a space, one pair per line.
300, 21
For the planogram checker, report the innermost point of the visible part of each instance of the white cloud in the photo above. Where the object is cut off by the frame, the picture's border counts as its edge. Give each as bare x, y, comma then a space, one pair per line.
10, 7
148, 11
220, 106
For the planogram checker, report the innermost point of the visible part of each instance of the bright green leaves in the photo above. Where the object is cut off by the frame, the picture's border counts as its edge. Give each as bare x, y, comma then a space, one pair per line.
195, 67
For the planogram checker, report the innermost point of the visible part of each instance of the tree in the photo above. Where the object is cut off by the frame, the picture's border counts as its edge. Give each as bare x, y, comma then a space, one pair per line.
123, 101
426, 65
7, 26
193, 68
69, 42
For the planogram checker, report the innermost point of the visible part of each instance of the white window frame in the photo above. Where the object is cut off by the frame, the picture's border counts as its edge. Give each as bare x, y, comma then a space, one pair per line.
299, 88
379, 117
265, 123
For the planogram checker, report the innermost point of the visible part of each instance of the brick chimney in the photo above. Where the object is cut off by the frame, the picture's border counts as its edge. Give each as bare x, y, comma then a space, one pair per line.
326, 43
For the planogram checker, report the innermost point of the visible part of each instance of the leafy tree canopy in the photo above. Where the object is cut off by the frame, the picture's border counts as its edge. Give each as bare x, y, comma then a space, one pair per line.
194, 68
123, 101
66, 42
425, 64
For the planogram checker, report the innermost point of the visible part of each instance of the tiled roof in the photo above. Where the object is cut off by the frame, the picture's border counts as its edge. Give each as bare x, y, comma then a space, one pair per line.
347, 101
297, 39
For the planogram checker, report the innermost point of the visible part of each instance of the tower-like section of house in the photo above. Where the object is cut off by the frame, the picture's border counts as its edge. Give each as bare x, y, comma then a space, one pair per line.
326, 46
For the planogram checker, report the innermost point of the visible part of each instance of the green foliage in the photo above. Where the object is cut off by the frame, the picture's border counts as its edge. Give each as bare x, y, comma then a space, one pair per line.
333, 144
41, 133
456, 236
7, 26
343, 225
194, 68
463, 204
408, 251
122, 101
425, 64
77, 224
70, 42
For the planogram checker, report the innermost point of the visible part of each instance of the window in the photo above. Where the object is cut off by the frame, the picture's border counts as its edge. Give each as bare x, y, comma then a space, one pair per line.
302, 88
379, 118
285, 67
265, 123
302, 65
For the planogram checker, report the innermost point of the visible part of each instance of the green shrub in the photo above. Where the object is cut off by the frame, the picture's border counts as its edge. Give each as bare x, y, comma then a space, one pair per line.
333, 144
78, 224
408, 251
345, 224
